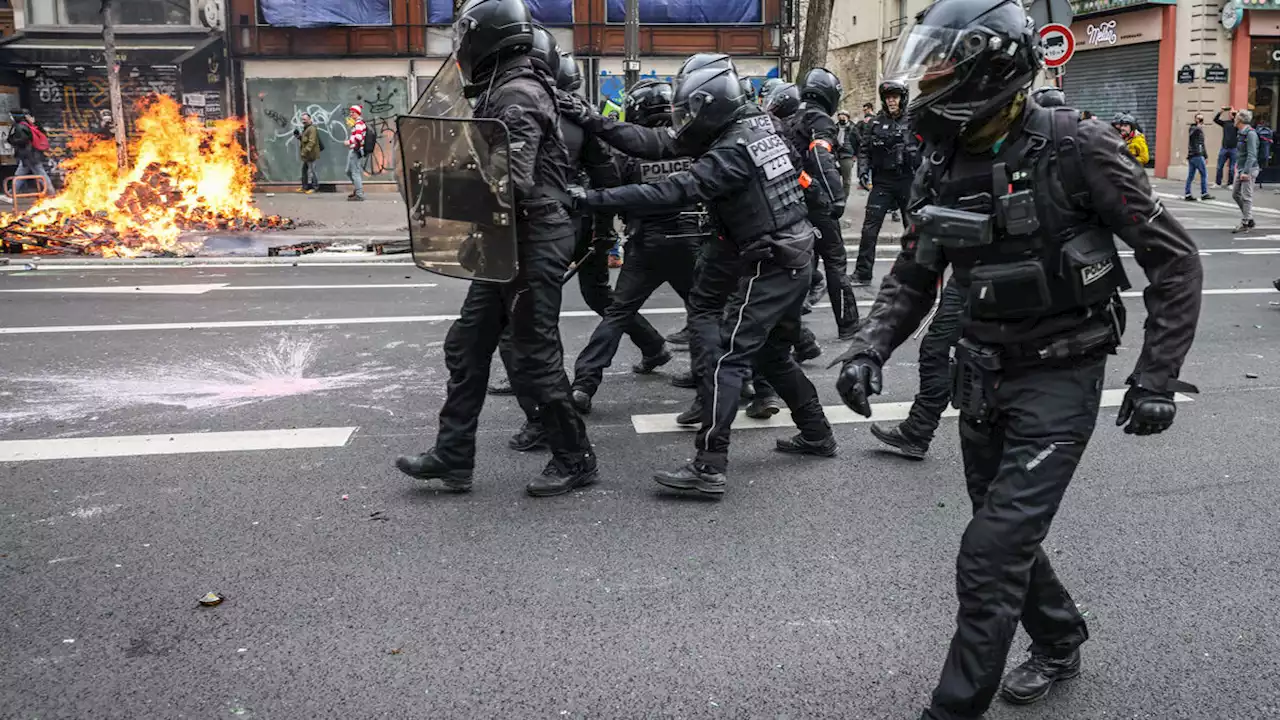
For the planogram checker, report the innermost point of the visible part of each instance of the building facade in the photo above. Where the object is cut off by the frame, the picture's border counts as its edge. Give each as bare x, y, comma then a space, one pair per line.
54, 64
322, 57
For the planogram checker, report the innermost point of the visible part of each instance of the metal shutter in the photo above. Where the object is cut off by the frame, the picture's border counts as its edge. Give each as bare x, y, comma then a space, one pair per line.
1122, 79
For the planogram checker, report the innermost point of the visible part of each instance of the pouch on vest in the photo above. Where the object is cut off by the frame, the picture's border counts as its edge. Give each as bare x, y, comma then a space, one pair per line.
1008, 290
1092, 268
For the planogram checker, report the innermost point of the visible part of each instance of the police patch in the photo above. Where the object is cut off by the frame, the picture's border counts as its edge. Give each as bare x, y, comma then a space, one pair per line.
759, 122
771, 154
652, 172
1095, 272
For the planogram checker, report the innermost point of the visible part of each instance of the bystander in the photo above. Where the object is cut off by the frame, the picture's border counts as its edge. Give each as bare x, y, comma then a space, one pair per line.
1247, 165
1196, 155
1227, 153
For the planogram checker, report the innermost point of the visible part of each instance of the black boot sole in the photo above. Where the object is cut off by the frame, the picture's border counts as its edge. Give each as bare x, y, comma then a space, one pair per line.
539, 444
453, 483
1030, 699
693, 484
912, 453
763, 413
501, 390
813, 450
680, 382
580, 481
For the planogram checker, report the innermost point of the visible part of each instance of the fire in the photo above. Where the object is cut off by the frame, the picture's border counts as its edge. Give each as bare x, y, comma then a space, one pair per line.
183, 176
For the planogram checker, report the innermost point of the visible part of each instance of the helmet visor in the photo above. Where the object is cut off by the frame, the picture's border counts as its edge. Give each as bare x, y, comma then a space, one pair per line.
932, 61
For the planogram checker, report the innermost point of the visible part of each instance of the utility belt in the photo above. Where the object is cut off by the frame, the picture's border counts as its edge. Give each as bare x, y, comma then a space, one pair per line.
976, 369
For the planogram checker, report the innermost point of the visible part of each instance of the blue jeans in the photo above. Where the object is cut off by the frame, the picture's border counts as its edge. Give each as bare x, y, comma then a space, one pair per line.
355, 172
1196, 165
35, 168
1223, 155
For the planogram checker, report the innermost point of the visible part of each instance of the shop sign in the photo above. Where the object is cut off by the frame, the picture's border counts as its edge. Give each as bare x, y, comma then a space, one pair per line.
1215, 73
1113, 31
1186, 74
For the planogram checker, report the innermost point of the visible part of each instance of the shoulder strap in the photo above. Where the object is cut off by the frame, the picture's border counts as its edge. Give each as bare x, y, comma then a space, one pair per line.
1065, 122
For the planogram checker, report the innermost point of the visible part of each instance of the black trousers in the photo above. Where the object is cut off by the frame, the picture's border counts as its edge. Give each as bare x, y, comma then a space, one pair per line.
650, 263
593, 281
761, 323
935, 366
835, 263
886, 195
1016, 477
530, 306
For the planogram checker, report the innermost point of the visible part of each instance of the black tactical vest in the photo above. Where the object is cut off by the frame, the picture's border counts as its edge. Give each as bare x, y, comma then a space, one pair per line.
773, 201
687, 224
1019, 234
891, 145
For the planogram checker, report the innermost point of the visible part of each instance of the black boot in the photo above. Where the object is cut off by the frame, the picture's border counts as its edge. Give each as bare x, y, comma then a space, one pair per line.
798, 445
680, 338
651, 363
581, 401
427, 466
1032, 680
694, 476
692, 416
764, 407
906, 444
817, 290
561, 476
748, 391
807, 350
530, 437
684, 380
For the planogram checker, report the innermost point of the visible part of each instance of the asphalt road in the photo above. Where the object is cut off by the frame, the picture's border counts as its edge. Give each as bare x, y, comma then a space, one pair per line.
816, 588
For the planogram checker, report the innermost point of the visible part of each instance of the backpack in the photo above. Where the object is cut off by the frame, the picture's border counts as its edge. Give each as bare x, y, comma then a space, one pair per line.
319, 141
39, 141
370, 142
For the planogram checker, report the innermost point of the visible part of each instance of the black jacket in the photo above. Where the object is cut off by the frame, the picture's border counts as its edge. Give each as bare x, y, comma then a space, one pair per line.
1228, 126
1118, 199
814, 135
847, 134
888, 150
539, 162
1195, 143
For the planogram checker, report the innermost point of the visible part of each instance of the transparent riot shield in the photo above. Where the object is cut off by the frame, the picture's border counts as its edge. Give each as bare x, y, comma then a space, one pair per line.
457, 186
443, 97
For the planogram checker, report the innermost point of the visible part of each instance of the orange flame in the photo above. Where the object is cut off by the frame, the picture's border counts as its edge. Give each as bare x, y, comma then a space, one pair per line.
184, 176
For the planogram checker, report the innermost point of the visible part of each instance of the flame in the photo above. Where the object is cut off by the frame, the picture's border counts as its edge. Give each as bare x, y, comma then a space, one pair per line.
183, 176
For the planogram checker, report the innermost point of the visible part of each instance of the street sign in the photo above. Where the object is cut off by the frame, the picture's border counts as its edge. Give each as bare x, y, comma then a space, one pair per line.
1186, 74
1215, 73
1059, 44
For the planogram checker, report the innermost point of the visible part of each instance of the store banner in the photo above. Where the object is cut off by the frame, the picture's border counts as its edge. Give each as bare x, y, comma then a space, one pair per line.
1105, 31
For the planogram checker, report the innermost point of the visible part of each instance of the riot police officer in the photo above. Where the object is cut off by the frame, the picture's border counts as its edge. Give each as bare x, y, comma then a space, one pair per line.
662, 247
591, 163
1022, 202
492, 39
745, 174
887, 159
814, 134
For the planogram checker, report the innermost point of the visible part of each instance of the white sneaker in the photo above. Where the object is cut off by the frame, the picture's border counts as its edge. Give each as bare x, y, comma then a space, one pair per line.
6, 198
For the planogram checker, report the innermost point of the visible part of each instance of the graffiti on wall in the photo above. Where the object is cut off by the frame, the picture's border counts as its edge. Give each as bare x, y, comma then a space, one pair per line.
276, 110
612, 86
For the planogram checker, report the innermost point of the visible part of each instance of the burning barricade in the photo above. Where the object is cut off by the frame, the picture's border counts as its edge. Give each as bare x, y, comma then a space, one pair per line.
183, 178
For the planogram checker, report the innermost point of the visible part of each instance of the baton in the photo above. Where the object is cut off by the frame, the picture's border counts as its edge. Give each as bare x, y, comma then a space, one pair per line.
576, 264
929, 318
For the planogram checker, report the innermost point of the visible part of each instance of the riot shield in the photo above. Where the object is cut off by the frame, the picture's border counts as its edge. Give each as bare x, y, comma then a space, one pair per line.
457, 186
443, 97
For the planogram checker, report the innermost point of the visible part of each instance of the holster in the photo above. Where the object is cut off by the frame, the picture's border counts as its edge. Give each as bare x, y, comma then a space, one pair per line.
975, 373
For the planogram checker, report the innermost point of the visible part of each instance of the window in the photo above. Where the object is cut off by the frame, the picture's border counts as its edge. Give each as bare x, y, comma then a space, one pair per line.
687, 12
124, 12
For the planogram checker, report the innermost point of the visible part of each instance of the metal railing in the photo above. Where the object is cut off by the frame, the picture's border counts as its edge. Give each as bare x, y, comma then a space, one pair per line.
894, 28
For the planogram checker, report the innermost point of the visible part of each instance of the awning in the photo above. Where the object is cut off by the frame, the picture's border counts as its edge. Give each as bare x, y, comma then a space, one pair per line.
24, 50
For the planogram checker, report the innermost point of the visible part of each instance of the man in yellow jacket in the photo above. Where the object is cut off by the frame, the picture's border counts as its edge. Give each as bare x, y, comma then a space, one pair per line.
1134, 140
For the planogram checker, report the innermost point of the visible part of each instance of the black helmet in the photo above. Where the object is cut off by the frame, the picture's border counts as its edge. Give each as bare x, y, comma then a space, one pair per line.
705, 101
701, 60
545, 51
1049, 96
488, 31
1117, 120
568, 75
767, 87
747, 88
784, 100
965, 61
822, 87
649, 103
893, 86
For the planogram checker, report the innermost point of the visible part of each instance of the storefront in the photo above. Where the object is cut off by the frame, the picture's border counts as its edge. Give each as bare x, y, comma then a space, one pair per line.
1117, 67
1264, 67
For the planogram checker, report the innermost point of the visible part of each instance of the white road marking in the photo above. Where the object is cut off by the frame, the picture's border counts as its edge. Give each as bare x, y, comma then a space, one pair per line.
836, 415
1218, 204
190, 289
402, 319
137, 445
201, 289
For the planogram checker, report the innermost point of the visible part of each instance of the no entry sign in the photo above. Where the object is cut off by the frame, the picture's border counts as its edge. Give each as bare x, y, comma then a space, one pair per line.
1059, 44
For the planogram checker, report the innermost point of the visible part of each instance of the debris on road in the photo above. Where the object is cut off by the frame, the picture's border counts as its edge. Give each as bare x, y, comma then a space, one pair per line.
378, 515
1251, 376
211, 599
346, 497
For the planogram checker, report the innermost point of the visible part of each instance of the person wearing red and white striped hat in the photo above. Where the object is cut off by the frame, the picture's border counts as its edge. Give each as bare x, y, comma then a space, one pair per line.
355, 145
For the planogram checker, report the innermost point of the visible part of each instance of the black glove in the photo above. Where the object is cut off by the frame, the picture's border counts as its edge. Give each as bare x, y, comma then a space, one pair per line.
837, 210
1146, 412
858, 381
757, 251
577, 110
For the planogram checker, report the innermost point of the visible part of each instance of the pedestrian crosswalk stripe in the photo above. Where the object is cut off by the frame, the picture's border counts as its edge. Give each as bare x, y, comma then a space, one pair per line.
836, 415
172, 444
